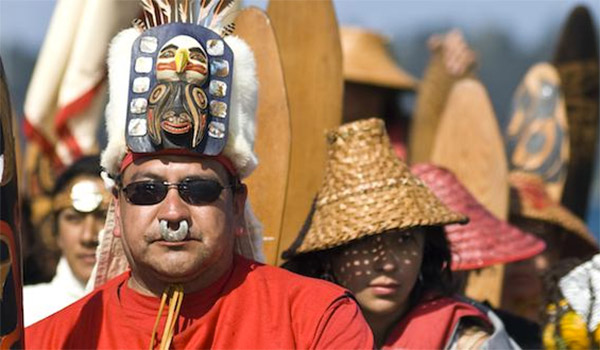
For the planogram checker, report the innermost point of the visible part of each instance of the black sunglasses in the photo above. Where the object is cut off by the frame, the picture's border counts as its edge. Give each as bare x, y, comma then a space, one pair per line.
194, 191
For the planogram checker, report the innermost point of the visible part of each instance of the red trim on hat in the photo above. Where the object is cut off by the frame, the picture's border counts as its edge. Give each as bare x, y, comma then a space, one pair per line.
131, 157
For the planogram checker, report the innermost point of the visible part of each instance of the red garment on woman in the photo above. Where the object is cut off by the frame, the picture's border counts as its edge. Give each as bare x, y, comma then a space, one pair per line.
251, 306
430, 324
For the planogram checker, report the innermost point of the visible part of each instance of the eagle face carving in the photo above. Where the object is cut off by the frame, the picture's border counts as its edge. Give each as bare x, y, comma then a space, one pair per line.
177, 104
182, 58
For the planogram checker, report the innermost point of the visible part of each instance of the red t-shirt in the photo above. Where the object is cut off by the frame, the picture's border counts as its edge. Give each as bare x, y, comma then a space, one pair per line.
251, 306
430, 324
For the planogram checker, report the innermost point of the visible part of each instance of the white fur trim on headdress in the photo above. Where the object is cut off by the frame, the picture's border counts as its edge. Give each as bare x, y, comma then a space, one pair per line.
242, 121
119, 58
240, 142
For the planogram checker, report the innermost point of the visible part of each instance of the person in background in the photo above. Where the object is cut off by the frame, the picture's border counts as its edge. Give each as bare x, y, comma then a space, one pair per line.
485, 241
565, 235
377, 230
374, 83
79, 203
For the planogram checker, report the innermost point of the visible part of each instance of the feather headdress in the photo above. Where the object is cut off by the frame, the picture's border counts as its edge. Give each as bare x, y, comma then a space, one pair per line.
184, 17
217, 88
217, 15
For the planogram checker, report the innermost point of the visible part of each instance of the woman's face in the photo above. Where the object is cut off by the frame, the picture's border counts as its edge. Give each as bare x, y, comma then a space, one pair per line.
381, 270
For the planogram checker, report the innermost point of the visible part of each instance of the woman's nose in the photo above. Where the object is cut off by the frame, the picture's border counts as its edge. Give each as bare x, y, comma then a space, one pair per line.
385, 261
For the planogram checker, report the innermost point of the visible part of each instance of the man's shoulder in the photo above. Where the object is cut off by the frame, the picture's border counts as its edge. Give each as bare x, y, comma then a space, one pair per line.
288, 283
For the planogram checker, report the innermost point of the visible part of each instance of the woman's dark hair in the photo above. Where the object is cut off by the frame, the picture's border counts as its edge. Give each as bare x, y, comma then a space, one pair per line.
88, 165
435, 268
435, 274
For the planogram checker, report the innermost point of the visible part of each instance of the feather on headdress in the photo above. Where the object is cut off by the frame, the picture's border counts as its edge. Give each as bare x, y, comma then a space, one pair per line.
217, 15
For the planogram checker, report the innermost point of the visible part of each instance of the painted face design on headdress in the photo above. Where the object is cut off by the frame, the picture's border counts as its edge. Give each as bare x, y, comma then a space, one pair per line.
179, 94
537, 139
182, 59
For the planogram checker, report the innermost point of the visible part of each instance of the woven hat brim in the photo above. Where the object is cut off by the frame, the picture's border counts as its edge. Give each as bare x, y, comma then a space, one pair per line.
367, 61
524, 204
368, 214
489, 242
485, 240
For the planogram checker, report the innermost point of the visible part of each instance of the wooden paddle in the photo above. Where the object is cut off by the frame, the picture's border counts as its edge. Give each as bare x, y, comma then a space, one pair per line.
11, 270
311, 55
268, 184
536, 134
469, 143
576, 59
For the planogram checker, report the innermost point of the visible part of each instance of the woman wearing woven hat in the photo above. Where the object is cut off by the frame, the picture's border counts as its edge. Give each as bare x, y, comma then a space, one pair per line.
566, 236
377, 230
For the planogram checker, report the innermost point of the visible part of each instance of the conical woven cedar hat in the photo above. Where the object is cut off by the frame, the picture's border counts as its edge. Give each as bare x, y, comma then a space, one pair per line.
536, 133
367, 190
485, 240
530, 200
367, 60
576, 59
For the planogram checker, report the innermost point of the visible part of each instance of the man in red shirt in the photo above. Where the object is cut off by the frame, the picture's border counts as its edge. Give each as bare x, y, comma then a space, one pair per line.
181, 128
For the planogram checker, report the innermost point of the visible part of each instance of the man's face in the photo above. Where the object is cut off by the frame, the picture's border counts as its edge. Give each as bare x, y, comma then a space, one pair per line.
381, 271
78, 236
206, 252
